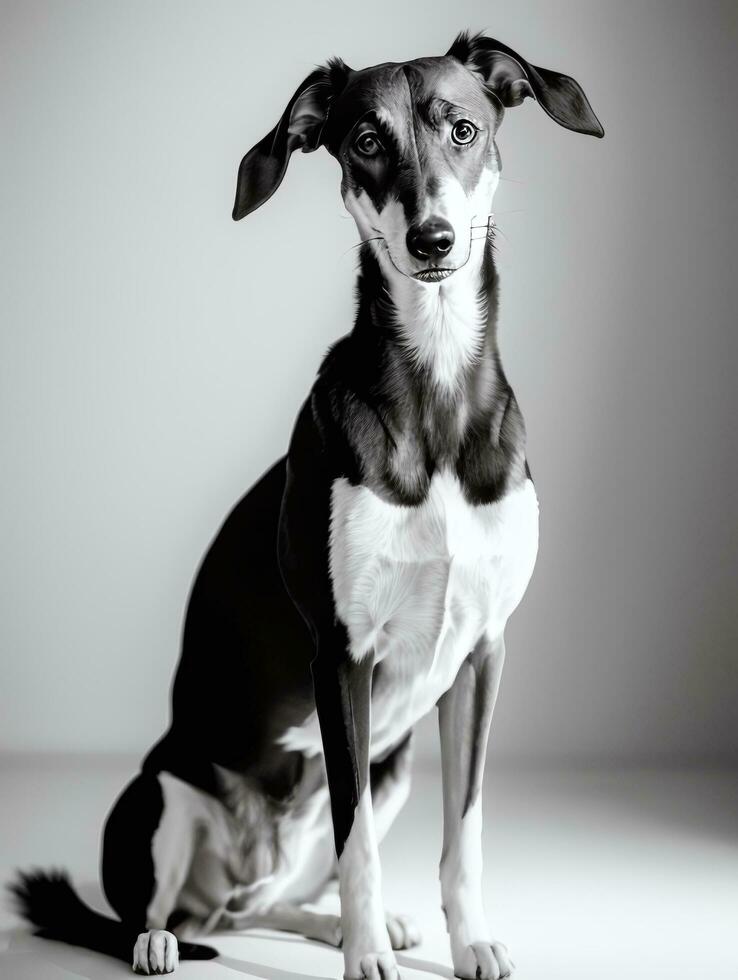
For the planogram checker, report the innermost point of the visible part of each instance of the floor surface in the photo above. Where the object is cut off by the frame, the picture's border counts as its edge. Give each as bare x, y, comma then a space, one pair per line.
588, 875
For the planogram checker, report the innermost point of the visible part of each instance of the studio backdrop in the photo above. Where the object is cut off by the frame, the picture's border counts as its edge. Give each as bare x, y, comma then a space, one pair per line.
155, 354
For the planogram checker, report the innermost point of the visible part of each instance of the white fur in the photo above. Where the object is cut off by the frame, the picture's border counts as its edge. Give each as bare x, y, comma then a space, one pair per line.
442, 326
441, 323
465, 212
419, 586
218, 863
198, 854
461, 881
360, 887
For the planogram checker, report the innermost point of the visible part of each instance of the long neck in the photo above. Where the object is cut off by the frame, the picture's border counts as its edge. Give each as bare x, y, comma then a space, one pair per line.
440, 341
429, 392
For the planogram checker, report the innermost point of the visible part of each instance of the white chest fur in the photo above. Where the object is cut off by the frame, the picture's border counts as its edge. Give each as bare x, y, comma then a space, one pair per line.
419, 586
407, 576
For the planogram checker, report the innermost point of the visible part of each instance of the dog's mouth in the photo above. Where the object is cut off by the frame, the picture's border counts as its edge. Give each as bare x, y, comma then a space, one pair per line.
433, 275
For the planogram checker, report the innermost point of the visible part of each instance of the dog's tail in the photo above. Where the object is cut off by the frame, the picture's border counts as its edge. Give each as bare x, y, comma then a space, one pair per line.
48, 901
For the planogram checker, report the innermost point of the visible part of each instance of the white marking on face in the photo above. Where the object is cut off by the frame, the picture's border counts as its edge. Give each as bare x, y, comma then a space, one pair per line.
361, 208
384, 116
441, 323
467, 213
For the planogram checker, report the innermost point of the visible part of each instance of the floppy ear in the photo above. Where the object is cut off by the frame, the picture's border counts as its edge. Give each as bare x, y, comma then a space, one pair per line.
511, 79
301, 127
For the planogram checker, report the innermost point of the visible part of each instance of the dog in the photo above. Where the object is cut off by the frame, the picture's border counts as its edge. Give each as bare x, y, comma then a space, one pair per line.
366, 577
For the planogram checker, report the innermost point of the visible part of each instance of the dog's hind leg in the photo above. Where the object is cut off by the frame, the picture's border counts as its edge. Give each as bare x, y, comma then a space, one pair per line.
321, 926
390, 783
146, 854
129, 876
287, 917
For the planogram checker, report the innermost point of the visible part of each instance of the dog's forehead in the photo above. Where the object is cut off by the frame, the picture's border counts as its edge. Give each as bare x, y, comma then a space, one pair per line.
396, 89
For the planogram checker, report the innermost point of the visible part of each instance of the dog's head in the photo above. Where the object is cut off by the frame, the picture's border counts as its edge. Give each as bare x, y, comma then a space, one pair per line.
416, 145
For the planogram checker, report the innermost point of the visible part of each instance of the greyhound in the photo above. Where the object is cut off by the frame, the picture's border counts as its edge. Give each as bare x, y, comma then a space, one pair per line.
366, 577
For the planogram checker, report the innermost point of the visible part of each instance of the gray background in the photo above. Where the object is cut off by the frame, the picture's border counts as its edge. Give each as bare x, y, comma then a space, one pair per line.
154, 354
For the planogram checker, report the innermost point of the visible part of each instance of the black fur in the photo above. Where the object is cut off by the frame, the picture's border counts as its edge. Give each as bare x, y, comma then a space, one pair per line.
48, 901
370, 397
511, 78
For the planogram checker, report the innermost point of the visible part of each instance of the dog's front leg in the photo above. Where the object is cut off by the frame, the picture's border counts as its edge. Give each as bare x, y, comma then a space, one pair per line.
341, 682
342, 695
464, 713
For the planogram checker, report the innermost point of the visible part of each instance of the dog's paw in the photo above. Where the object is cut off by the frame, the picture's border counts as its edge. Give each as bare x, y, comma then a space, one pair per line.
326, 929
375, 966
403, 932
155, 952
484, 961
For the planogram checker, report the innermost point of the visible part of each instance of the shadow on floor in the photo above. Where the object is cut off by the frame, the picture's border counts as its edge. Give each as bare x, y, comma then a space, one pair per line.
267, 972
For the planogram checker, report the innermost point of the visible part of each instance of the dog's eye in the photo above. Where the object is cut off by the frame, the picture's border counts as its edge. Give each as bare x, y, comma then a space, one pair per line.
367, 144
463, 132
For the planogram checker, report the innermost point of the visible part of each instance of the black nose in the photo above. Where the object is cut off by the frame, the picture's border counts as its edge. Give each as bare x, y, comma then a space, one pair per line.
431, 240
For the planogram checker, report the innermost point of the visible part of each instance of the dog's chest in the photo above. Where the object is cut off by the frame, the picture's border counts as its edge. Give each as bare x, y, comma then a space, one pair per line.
420, 585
